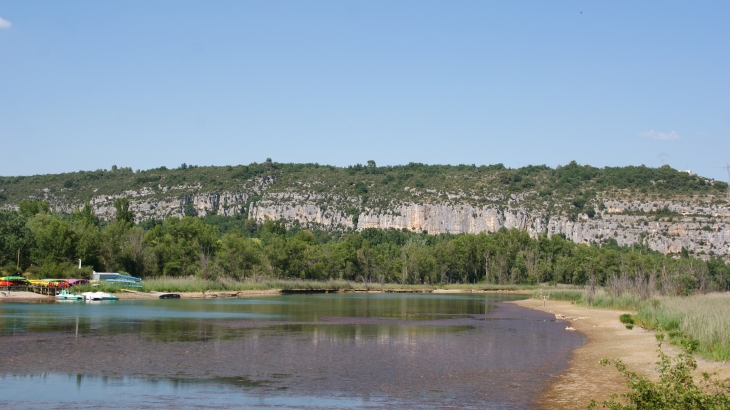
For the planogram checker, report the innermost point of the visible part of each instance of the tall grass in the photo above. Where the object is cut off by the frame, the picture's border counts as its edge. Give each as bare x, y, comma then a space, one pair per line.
559, 294
486, 287
628, 301
700, 319
703, 318
599, 299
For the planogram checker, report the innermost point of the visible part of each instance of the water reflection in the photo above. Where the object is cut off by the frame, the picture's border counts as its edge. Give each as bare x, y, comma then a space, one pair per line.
201, 320
424, 350
83, 391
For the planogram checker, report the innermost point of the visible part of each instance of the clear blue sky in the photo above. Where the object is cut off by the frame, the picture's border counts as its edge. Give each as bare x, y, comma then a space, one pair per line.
84, 85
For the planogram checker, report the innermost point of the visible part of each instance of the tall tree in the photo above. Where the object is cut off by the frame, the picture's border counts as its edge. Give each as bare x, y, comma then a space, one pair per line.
29, 208
124, 214
16, 240
87, 214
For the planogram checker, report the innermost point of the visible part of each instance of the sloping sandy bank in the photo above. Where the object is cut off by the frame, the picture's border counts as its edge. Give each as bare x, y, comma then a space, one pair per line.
607, 338
15, 295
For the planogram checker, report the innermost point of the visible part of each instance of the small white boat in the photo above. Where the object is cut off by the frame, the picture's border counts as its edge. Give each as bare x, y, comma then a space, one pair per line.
63, 295
99, 296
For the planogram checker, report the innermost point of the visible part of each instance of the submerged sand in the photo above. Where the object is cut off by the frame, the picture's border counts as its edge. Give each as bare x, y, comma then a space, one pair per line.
585, 378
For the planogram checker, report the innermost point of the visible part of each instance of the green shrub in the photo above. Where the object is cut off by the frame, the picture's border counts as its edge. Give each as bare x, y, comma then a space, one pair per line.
676, 388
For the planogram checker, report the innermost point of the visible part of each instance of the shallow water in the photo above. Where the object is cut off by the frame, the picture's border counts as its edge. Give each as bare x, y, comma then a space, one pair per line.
325, 350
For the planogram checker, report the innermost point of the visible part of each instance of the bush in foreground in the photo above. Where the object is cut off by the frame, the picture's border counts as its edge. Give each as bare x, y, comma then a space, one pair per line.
676, 388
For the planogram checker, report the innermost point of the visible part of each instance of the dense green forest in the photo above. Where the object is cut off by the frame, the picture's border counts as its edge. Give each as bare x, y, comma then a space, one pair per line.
39, 243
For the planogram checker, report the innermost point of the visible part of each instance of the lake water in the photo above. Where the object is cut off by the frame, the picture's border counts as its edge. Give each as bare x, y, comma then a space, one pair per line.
289, 351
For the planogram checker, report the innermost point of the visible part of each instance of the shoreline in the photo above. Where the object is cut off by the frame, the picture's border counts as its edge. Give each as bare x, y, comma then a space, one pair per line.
607, 337
19, 296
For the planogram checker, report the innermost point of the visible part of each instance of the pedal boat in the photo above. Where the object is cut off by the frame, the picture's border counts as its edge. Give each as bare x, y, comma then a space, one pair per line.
89, 296
63, 295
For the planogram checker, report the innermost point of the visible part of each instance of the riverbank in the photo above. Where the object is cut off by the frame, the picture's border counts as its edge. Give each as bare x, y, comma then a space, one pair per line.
199, 285
218, 294
274, 292
201, 295
585, 378
22, 296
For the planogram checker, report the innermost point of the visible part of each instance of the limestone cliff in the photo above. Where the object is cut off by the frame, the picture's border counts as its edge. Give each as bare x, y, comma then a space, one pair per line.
663, 208
699, 229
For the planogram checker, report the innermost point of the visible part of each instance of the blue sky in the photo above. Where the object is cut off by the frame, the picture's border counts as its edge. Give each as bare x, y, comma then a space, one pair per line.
84, 85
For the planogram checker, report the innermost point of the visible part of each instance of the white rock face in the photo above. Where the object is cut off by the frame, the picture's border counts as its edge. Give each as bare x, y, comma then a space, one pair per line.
309, 210
703, 228
708, 232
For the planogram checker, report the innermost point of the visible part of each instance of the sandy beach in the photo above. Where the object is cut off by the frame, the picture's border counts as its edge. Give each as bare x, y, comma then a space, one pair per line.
586, 379
18, 296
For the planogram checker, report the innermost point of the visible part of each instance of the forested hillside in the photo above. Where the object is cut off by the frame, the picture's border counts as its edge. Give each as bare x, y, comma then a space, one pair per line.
376, 187
662, 209
38, 243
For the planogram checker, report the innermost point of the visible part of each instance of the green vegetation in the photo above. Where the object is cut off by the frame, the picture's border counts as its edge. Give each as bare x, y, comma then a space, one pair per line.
626, 319
700, 319
570, 189
196, 284
676, 388
560, 294
42, 245
600, 299
623, 302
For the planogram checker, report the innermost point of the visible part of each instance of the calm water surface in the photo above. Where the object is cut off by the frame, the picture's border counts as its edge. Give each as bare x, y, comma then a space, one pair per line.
292, 351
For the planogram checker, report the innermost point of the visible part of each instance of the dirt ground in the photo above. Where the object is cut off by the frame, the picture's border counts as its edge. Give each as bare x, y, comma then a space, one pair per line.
202, 295
14, 295
586, 379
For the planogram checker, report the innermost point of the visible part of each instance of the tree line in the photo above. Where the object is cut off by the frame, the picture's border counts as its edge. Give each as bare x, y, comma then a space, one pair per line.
38, 243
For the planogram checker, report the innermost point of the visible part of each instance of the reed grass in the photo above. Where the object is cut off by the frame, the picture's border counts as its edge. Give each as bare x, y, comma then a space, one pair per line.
701, 318
624, 302
559, 294
600, 300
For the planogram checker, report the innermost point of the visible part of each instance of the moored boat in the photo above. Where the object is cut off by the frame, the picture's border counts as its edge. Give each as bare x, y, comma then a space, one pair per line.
63, 295
99, 296
8, 281
56, 283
